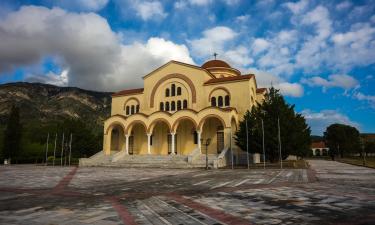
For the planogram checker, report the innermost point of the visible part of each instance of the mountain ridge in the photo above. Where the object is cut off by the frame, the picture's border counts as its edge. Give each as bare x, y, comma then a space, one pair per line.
45, 102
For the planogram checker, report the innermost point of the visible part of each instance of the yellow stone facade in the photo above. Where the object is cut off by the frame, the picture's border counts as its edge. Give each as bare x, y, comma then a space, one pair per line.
180, 105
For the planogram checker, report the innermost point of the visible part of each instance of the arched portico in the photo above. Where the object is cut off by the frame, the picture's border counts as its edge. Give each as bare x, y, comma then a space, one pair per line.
213, 127
186, 135
137, 140
160, 132
114, 138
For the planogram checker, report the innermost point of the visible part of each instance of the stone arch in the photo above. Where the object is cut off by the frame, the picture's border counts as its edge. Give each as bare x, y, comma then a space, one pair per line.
129, 127
111, 125
132, 98
203, 120
174, 75
154, 122
176, 123
219, 88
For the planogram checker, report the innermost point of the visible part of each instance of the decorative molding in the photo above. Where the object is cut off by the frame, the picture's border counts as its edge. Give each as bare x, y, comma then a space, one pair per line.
170, 76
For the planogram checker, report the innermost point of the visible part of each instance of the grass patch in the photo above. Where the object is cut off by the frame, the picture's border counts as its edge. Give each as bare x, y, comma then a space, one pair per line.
358, 161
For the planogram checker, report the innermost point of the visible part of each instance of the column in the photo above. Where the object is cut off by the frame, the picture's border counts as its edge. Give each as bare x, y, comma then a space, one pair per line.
199, 141
173, 142
127, 144
149, 143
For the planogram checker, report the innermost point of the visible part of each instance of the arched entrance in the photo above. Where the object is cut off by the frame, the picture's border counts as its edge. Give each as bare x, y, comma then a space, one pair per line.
137, 139
213, 128
159, 139
186, 136
117, 138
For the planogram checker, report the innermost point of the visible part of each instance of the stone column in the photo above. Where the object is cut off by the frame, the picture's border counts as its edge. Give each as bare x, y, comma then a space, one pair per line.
149, 143
173, 147
199, 141
127, 144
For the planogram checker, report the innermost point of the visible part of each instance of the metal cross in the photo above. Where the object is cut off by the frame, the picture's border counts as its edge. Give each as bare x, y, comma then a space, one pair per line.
215, 54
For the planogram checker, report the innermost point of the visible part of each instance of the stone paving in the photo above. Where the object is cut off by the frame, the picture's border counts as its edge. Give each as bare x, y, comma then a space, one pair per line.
328, 193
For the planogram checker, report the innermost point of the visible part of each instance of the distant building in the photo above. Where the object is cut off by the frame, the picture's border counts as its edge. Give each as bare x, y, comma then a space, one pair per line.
319, 148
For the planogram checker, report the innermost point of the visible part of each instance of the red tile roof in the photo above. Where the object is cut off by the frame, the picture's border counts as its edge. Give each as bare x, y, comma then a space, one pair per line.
128, 92
225, 79
215, 63
261, 90
319, 144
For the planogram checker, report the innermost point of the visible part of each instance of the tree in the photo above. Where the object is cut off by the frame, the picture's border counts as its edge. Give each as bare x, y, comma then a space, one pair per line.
342, 139
369, 147
295, 133
12, 135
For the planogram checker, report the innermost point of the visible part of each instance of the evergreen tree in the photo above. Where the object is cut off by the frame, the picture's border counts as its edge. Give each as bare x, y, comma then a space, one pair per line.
342, 139
295, 133
12, 135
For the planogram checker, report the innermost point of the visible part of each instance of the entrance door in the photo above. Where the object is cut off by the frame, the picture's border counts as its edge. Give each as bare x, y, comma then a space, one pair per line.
131, 145
220, 141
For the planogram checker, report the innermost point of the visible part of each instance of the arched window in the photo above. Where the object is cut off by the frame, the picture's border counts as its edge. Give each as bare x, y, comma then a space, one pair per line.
161, 106
178, 90
173, 106
127, 110
132, 109
173, 88
137, 109
220, 101
227, 100
252, 99
213, 101
178, 105
167, 92
167, 106
184, 104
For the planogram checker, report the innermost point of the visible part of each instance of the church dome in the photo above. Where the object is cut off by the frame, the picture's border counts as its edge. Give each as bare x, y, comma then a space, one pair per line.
215, 63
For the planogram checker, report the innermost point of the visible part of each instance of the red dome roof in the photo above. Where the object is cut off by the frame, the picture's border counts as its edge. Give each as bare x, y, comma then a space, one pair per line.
215, 63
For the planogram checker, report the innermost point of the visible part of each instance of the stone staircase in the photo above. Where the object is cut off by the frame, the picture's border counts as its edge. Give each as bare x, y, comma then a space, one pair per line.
147, 161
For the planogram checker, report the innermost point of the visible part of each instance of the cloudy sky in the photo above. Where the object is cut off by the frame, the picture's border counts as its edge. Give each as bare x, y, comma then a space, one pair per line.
320, 54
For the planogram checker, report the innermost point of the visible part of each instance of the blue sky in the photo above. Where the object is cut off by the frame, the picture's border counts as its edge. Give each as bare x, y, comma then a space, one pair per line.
320, 54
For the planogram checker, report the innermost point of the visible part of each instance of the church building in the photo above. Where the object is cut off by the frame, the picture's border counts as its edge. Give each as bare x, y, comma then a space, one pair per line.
170, 119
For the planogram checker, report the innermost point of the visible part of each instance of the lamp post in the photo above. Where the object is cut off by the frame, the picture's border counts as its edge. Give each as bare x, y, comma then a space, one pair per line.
206, 144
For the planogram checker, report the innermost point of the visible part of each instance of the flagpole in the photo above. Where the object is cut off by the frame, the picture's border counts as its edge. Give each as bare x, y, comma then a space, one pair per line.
247, 146
70, 147
54, 150
62, 151
281, 159
47, 149
264, 152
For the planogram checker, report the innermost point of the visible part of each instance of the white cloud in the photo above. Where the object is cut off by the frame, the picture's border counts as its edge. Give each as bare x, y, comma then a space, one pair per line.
343, 5
243, 18
297, 7
149, 9
266, 79
290, 89
145, 9
50, 78
213, 40
363, 97
343, 81
310, 54
200, 2
85, 5
85, 45
319, 121
259, 45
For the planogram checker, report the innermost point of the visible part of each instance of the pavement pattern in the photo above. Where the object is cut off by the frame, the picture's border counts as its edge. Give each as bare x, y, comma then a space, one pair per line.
327, 193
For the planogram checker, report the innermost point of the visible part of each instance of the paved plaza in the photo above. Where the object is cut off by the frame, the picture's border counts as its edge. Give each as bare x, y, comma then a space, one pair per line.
327, 193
